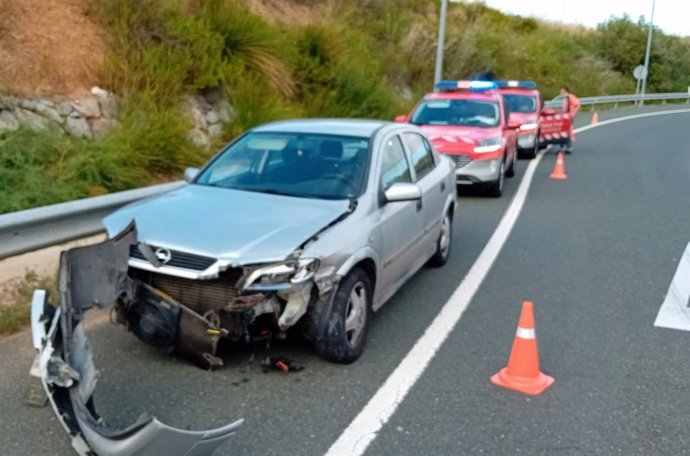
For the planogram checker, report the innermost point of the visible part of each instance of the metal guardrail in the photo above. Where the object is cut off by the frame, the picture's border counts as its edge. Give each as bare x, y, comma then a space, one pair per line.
33, 229
636, 99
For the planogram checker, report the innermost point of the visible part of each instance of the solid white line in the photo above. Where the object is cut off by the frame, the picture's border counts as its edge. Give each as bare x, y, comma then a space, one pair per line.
364, 428
674, 312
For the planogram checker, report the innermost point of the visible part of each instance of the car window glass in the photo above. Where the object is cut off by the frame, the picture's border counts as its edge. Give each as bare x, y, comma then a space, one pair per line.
471, 113
420, 153
394, 166
307, 165
521, 103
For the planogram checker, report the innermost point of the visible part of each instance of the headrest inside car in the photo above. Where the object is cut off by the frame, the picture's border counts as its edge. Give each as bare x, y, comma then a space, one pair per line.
331, 149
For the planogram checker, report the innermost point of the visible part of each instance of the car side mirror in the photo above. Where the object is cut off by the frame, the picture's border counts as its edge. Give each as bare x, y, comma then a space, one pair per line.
190, 174
403, 191
401, 119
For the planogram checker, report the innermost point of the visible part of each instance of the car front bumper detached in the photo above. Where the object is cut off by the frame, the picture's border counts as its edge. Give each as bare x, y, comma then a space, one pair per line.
96, 276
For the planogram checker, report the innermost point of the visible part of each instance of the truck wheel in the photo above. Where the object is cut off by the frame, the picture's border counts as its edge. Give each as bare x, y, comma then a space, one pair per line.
348, 325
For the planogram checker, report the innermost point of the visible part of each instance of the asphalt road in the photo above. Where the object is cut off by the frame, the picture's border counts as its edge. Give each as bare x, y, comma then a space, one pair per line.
596, 254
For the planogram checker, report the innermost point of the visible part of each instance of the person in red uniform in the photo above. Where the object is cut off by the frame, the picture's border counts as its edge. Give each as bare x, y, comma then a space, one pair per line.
570, 104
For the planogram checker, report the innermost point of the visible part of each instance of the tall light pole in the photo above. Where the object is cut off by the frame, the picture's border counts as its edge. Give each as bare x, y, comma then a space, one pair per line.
441, 40
646, 56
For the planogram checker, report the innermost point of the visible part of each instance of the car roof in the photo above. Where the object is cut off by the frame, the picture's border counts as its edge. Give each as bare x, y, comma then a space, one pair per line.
488, 95
345, 127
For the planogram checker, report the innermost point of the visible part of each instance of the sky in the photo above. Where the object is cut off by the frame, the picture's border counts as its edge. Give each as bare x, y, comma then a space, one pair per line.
671, 16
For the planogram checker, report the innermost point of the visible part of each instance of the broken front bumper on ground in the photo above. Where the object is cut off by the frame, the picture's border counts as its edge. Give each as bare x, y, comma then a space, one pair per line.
96, 276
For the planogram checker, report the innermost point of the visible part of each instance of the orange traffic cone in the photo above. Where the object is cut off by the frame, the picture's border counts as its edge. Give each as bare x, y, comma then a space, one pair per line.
522, 373
559, 169
595, 119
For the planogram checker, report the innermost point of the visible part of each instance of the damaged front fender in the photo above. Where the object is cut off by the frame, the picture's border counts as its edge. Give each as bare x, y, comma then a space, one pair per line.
96, 276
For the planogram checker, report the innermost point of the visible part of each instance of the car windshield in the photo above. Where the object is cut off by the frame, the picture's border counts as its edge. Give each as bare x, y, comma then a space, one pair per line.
471, 113
521, 103
295, 164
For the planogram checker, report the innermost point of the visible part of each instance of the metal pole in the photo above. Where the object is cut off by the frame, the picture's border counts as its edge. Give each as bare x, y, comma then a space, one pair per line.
646, 56
441, 39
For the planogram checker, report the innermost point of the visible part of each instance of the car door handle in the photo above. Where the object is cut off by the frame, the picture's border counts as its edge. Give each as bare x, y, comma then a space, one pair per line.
419, 205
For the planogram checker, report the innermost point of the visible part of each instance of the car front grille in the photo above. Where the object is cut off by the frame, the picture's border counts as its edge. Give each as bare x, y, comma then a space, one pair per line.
199, 295
178, 259
460, 161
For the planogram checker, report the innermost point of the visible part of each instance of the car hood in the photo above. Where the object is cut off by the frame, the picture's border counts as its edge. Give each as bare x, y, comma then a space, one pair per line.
525, 117
455, 139
239, 227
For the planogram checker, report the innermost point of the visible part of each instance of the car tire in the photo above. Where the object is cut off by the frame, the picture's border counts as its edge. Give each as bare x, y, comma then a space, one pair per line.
352, 301
531, 154
443, 243
495, 190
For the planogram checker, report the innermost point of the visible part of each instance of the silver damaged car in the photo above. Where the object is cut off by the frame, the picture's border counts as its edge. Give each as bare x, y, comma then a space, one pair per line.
304, 224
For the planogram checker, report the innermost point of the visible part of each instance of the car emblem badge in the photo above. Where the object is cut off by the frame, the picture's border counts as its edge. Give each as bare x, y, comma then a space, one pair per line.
164, 255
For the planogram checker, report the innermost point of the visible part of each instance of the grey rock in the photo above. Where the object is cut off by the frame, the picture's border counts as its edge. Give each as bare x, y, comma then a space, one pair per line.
225, 111
29, 105
215, 130
65, 108
88, 107
9, 103
78, 126
8, 122
101, 127
49, 112
31, 119
212, 94
199, 119
198, 137
108, 106
205, 105
212, 117
40, 104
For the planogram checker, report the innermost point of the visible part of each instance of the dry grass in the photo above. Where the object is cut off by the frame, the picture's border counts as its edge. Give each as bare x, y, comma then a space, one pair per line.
15, 300
49, 48
289, 12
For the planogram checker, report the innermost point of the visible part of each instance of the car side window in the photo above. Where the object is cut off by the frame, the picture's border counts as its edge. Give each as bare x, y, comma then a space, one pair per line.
394, 165
421, 154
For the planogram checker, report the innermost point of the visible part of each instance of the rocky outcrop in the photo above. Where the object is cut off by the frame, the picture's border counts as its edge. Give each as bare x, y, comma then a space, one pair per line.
90, 117
95, 116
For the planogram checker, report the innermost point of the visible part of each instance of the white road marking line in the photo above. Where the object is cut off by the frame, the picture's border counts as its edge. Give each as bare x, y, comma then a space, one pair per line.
364, 428
674, 312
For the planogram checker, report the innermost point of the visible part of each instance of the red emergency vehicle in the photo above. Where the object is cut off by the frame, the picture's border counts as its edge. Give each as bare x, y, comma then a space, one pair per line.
556, 122
524, 104
468, 121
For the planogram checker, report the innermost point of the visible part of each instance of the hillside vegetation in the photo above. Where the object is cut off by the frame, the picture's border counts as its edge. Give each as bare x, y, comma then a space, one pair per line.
277, 59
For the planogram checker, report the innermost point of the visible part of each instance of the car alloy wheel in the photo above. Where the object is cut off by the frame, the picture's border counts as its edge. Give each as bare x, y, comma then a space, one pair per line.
347, 326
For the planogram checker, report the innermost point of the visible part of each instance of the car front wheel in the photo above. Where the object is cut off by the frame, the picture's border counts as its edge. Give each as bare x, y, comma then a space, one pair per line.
348, 324
496, 188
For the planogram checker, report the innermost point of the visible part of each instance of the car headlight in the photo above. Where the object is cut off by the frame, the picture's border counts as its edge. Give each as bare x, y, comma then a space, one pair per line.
489, 145
528, 126
282, 275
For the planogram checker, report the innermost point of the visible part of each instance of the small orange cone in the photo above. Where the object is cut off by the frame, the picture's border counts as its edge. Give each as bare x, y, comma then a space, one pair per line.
559, 169
522, 373
595, 119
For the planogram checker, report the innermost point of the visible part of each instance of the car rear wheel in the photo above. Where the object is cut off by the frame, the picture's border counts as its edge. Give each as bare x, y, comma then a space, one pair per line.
443, 243
496, 189
532, 153
348, 324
